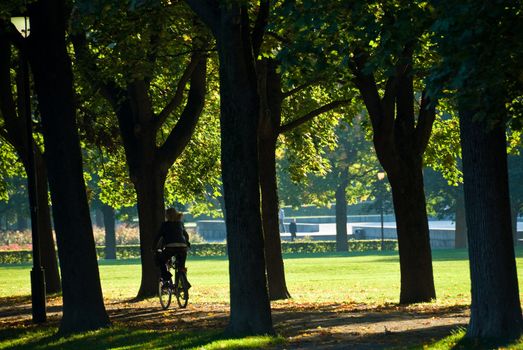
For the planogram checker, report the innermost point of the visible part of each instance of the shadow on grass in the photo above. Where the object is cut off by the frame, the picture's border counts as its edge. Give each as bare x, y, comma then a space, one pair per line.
117, 337
457, 341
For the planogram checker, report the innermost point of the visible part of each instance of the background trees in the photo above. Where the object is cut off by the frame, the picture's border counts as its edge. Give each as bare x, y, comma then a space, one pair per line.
138, 54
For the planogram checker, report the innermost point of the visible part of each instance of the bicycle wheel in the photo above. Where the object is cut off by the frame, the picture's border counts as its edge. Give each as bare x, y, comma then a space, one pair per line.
182, 290
164, 293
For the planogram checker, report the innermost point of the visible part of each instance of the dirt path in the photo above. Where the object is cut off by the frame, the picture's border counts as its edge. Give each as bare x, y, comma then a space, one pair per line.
305, 326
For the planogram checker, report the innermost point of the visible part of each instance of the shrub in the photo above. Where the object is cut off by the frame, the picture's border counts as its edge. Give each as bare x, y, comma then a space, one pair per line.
218, 249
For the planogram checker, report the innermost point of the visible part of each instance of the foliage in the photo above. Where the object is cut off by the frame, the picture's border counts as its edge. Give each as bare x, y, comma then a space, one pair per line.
148, 45
444, 149
10, 166
16, 257
441, 196
481, 54
219, 249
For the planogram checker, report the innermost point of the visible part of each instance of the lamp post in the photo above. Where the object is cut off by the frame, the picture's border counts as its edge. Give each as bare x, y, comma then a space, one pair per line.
37, 273
381, 177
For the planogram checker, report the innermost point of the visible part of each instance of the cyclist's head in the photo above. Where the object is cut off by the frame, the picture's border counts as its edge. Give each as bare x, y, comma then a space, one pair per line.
172, 215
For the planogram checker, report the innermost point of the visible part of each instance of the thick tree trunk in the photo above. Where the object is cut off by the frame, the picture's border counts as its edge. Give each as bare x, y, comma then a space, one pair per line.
110, 232
250, 308
341, 217
151, 211
83, 307
47, 248
269, 194
417, 282
461, 223
495, 307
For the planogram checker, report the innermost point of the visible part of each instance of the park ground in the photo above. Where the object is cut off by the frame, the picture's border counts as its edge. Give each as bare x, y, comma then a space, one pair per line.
340, 301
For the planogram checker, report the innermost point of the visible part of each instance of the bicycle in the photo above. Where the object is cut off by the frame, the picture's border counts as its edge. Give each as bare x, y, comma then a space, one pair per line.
180, 288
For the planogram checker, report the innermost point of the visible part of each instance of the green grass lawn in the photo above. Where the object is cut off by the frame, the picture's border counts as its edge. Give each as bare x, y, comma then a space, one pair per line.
371, 278
359, 277
118, 337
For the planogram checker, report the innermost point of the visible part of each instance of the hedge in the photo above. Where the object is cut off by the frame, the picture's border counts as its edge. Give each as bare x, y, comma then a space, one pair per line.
219, 249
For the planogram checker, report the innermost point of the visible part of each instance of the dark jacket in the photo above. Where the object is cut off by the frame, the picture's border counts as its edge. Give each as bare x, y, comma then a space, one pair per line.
292, 228
171, 232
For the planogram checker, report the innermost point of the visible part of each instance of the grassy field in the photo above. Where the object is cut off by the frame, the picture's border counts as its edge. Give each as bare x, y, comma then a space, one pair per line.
360, 277
370, 278
123, 338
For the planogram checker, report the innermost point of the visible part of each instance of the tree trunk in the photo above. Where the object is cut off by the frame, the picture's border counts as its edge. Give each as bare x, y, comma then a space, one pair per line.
461, 223
110, 233
239, 117
151, 211
21, 219
341, 217
269, 87
417, 282
47, 248
83, 307
269, 194
99, 216
15, 124
495, 307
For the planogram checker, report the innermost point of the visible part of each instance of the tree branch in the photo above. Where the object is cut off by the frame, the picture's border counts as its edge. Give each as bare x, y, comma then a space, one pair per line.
181, 134
426, 117
178, 95
109, 89
309, 116
259, 27
300, 87
368, 88
405, 90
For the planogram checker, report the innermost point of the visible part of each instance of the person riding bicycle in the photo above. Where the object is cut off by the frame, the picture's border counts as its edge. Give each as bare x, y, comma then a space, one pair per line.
172, 240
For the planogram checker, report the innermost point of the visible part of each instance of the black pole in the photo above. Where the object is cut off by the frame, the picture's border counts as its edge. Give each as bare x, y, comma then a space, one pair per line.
37, 273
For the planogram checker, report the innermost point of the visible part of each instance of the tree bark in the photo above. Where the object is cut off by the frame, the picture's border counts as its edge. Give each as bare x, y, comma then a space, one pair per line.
269, 86
342, 244
110, 233
495, 307
83, 307
151, 211
269, 194
417, 283
239, 117
461, 223
47, 248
